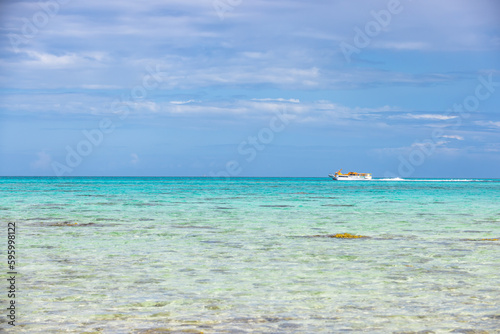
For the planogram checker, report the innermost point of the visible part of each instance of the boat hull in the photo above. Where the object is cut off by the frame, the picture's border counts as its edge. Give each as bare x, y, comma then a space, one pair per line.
350, 177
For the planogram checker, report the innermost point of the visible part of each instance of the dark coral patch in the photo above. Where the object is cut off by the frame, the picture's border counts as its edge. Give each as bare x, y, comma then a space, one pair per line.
341, 236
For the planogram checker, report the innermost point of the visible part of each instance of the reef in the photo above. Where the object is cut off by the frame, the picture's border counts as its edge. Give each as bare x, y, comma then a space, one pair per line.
68, 223
341, 236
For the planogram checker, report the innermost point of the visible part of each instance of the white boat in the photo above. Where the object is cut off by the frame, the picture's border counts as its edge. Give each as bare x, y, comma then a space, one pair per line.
351, 176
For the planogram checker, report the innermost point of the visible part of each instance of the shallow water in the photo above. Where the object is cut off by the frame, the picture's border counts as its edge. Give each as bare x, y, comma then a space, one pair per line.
142, 255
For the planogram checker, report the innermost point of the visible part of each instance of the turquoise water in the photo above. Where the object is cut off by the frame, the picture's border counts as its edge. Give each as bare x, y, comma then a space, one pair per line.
158, 255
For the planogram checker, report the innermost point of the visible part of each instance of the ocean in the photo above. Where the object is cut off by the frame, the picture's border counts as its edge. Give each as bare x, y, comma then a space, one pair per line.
251, 255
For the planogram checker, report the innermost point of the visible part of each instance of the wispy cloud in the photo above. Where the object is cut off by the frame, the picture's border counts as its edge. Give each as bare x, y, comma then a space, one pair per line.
68, 60
42, 162
404, 45
134, 158
453, 137
182, 102
488, 124
278, 100
434, 117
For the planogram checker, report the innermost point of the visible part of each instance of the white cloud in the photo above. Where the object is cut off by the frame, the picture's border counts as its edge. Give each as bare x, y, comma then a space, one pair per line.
428, 143
311, 112
488, 124
68, 60
453, 137
436, 117
50, 60
182, 102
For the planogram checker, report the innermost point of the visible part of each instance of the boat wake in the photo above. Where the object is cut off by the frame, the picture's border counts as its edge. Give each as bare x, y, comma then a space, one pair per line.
390, 179
426, 180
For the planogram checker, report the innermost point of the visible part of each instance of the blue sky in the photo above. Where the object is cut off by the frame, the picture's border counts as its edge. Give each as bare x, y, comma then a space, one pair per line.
250, 88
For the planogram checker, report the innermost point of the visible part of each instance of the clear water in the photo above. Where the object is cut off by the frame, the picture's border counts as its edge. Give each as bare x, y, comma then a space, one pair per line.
158, 255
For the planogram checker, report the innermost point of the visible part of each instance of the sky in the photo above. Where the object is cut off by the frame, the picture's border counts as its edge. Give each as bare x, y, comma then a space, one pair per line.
231, 88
